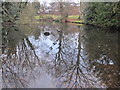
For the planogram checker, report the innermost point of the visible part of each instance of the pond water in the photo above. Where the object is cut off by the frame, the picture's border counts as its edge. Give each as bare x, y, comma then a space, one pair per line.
50, 55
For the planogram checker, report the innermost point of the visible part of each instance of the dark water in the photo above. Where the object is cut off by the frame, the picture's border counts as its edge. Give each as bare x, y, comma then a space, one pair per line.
69, 56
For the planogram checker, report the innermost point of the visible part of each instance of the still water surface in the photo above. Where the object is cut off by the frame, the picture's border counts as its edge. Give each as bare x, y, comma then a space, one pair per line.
70, 57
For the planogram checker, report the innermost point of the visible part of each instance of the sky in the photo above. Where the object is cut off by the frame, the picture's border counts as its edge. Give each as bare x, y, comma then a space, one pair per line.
76, 1
49, 1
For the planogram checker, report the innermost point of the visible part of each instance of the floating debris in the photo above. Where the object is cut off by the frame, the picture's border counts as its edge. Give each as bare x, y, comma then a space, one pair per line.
47, 33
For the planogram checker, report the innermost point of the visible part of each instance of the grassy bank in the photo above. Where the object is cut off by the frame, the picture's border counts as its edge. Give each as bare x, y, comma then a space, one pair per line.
56, 16
71, 19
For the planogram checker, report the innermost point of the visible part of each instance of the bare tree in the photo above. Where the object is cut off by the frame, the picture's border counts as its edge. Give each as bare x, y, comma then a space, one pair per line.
82, 6
63, 9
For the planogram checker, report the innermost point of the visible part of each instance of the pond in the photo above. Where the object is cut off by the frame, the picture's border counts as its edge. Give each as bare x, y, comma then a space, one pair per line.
59, 55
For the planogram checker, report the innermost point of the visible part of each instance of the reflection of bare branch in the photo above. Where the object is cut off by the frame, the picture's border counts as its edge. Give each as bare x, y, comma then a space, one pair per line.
71, 73
32, 48
19, 63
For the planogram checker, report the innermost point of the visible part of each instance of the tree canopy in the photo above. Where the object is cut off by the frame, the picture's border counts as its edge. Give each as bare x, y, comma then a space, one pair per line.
105, 14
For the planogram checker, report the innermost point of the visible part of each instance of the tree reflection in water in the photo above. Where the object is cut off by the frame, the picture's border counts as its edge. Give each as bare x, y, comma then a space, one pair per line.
76, 59
20, 59
69, 65
103, 56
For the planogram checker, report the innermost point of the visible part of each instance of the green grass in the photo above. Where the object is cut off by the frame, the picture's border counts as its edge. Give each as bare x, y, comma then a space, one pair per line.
38, 17
77, 21
73, 17
47, 16
56, 16
51, 16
